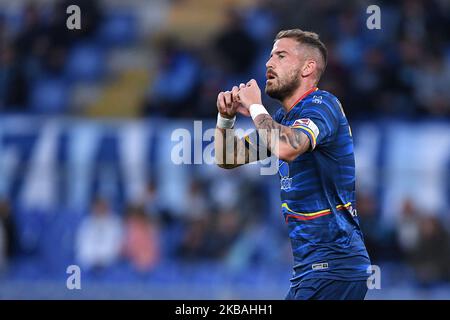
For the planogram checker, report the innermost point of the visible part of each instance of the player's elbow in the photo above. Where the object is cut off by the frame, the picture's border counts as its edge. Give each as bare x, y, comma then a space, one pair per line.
289, 154
287, 157
221, 163
225, 166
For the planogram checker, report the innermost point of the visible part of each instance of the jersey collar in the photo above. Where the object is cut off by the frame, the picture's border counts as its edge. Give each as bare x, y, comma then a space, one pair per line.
302, 97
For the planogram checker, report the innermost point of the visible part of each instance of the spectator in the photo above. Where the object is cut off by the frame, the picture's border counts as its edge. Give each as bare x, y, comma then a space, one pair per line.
413, 22
13, 82
154, 205
32, 31
197, 201
234, 45
7, 234
3, 260
99, 237
174, 90
225, 232
431, 84
408, 228
378, 237
254, 247
141, 241
431, 255
193, 244
261, 20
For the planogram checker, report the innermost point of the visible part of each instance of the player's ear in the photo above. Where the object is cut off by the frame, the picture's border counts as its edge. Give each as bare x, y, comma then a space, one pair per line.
308, 67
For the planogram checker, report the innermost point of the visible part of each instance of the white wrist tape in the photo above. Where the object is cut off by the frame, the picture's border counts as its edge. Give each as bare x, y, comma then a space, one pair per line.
256, 110
225, 123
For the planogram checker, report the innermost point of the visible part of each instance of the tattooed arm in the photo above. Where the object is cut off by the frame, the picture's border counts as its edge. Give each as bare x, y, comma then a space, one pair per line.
230, 150
284, 142
288, 144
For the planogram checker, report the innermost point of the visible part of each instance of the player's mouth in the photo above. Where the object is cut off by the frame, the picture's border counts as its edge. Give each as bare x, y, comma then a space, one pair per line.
270, 76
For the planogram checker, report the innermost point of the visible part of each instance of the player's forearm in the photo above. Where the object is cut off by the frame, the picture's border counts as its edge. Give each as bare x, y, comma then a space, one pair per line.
283, 141
229, 149
220, 146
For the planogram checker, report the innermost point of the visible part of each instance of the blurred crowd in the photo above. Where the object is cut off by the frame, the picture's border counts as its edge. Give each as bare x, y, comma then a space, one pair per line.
234, 231
421, 241
35, 68
223, 222
401, 71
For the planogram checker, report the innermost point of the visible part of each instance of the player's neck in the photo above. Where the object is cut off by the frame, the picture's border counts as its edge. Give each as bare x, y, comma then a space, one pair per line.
298, 94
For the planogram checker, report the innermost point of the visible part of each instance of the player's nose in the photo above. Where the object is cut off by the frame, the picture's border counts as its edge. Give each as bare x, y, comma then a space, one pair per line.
269, 64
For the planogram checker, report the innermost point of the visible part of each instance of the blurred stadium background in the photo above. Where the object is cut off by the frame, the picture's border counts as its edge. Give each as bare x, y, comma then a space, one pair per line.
86, 120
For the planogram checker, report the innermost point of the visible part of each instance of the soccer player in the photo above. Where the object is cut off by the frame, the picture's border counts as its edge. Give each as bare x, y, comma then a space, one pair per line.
314, 145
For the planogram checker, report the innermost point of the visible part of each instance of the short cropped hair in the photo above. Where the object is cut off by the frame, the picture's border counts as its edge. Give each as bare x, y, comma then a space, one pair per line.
310, 39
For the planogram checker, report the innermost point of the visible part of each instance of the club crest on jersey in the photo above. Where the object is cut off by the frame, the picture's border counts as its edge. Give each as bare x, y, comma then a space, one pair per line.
317, 99
283, 170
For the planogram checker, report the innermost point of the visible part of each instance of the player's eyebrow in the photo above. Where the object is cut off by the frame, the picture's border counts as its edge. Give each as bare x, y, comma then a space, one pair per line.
278, 52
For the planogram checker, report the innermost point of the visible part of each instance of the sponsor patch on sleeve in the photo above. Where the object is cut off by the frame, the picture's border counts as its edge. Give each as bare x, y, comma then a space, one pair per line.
308, 123
309, 127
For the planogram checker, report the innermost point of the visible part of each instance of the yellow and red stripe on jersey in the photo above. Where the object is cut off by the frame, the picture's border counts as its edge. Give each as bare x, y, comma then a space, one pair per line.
311, 215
